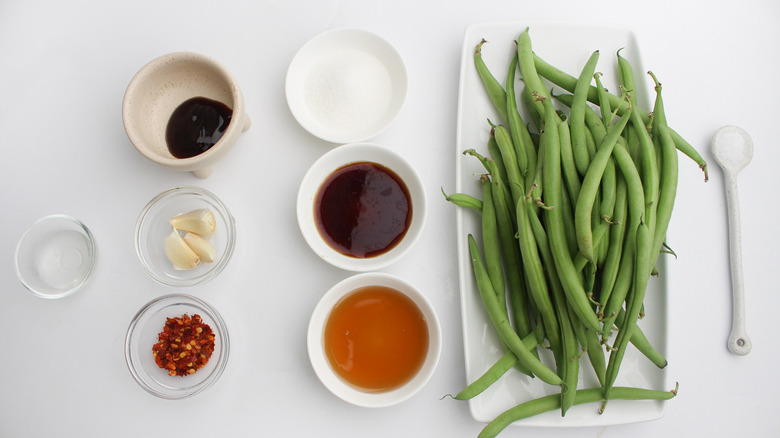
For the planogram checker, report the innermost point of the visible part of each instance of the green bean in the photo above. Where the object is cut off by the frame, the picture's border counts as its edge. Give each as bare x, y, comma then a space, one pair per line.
633, 307
498, 369
636, 209
608, 194
640, 341
596, 355
515, 179
608, 190
568, 83
490, 244
590, 187
598, 236
537, 187
501, 323
509, 250
610, 266
495, 154
579, 102
551, 402
563, 260
592, 120
565, 351
463, 200
515, 122
529, 103
603, 100
494, 89
568, 161
590, 142
533, 82
686, 148
570, 368
534, 273
649, 164
567, 209
632, 142
669, 175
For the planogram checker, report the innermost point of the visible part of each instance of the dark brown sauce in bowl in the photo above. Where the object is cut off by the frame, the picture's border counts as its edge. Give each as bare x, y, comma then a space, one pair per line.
363, 210
195, 126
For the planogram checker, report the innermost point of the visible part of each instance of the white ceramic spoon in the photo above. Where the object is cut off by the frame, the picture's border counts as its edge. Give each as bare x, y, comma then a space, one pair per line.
733, 150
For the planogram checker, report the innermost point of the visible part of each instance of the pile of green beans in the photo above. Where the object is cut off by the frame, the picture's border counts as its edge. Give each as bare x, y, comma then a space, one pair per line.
574, 212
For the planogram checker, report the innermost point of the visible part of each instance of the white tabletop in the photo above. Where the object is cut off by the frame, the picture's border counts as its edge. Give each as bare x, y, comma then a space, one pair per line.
64, 69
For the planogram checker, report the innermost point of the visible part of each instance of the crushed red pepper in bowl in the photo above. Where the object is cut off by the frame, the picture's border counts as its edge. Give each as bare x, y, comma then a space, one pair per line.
184, 346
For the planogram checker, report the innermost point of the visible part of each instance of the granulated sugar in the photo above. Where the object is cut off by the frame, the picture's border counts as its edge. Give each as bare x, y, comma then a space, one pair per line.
349, 91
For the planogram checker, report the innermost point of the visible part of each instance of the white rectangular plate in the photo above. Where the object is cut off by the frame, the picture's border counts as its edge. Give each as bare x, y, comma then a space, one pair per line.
566, 46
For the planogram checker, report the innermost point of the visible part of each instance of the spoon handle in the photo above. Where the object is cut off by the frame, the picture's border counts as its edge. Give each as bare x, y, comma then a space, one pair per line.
739, 342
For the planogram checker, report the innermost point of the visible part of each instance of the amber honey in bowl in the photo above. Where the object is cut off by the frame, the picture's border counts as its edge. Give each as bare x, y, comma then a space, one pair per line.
376, 338
363, 209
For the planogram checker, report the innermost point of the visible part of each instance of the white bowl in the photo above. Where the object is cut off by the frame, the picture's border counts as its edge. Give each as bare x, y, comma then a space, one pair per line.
337, 158
346, 85
322, 366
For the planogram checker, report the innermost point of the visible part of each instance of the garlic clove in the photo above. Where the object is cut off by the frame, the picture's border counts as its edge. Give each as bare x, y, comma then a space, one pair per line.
202, 247
199, 221
179, 253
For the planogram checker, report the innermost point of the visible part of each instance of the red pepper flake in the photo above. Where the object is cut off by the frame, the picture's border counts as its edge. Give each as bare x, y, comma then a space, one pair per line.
184, 346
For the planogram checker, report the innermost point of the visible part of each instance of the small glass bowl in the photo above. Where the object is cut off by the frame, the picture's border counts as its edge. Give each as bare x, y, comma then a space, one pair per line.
154, 225
342, 156
142, 335
55, 256
316, 344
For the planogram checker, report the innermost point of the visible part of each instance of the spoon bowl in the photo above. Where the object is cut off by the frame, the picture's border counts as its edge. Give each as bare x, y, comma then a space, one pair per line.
732, 148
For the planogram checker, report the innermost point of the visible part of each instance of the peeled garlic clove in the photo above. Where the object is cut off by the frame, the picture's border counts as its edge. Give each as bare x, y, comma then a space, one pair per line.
179, 253
199, 221
202, 247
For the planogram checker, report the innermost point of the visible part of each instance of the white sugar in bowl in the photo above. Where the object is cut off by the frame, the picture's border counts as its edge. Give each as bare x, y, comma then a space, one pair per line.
346, 85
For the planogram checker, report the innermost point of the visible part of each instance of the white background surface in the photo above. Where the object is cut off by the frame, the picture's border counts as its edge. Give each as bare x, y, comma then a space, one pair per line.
63, 72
